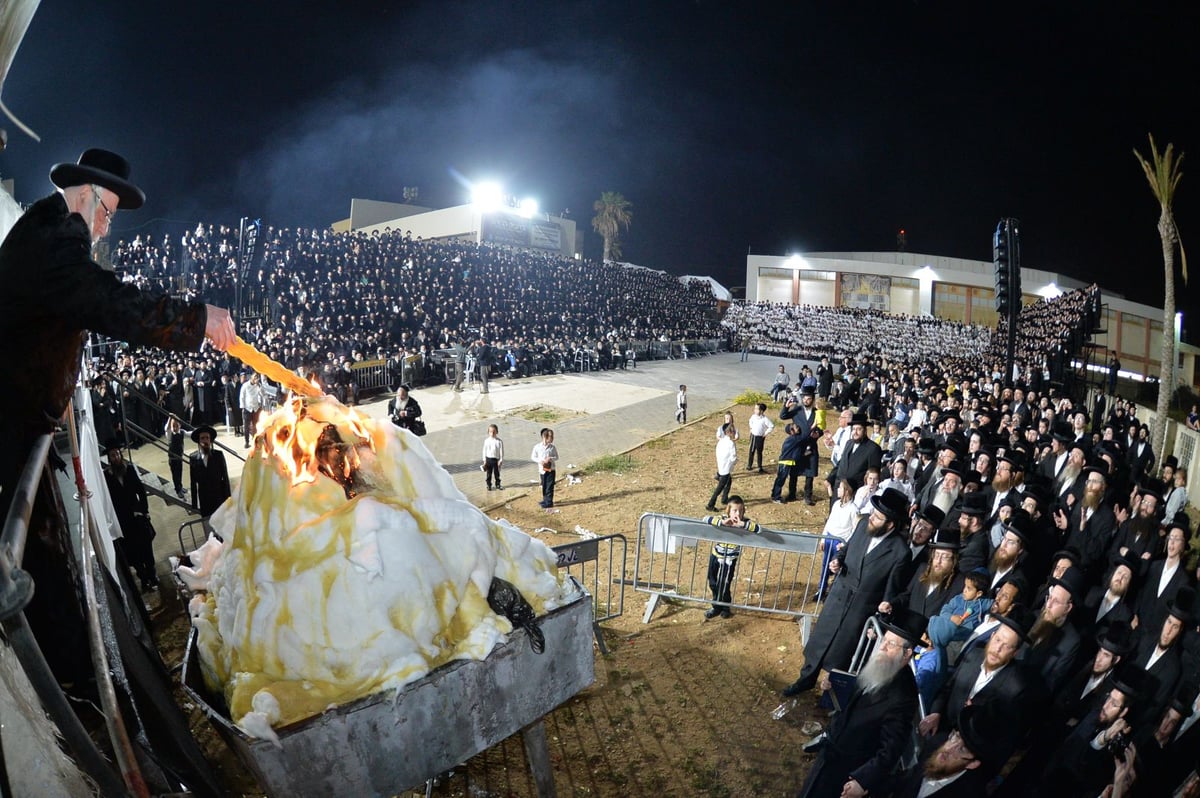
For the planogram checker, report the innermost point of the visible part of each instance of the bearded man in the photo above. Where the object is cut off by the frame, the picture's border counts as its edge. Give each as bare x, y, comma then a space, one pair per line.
1068, 483
1109, 603
1055, 643
1089, 527
929, 589
868, 736
1006, 562
860, 584
958, 768
1137, 536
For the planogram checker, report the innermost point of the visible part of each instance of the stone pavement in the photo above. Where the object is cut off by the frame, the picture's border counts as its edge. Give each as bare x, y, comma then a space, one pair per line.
598, 413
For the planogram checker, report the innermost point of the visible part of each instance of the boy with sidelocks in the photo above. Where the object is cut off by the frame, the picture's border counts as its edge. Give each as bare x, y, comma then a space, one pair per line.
493, 456
545, 454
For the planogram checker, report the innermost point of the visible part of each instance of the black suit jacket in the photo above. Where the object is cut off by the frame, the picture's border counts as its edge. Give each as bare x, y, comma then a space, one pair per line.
867, 737
1007, 688
855, 463
210, 483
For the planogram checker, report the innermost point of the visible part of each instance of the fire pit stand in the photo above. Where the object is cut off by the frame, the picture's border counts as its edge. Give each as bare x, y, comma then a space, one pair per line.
388, 743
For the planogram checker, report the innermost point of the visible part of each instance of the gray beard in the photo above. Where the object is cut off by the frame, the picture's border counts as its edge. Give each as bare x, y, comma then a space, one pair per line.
878, 672
1069, 472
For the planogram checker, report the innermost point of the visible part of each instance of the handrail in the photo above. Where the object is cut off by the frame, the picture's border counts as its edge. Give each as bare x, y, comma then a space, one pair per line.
16, 588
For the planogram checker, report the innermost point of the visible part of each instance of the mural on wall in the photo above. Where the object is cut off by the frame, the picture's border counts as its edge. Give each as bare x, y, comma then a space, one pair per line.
867, 291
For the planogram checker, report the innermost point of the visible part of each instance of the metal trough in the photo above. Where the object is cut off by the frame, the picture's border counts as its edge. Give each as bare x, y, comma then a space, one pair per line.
388, 743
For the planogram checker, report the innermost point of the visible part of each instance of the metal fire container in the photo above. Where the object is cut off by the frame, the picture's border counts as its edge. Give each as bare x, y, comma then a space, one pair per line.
387, 743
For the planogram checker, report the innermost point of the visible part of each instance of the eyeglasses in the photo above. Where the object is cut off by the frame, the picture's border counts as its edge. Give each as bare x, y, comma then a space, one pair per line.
108, 213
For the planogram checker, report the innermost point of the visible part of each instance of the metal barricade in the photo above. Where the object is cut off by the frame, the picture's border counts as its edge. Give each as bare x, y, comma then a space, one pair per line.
775, 573
371, 376
603, 556
192, 535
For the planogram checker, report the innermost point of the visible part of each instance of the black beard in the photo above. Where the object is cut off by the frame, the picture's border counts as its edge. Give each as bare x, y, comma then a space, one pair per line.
1142, 526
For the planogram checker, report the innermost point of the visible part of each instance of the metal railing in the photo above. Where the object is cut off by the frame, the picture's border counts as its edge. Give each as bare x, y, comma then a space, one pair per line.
586, 560
775, 573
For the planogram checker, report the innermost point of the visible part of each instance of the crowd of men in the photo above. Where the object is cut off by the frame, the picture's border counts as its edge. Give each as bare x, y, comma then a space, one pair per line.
1031, 590
320, 301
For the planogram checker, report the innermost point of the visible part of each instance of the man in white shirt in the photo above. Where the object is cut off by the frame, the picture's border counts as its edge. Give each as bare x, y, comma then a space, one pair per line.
250, 398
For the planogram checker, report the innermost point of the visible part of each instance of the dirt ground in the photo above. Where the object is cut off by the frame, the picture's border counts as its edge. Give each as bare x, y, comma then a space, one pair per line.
681, 706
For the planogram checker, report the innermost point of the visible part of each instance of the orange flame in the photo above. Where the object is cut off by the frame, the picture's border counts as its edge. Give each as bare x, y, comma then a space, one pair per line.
308, 446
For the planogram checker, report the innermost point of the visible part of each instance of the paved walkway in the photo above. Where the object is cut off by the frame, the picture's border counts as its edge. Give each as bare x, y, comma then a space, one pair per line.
598, 413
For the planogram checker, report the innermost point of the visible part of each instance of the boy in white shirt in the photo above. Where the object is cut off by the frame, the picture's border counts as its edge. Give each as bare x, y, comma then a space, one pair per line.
760, 428
493, 456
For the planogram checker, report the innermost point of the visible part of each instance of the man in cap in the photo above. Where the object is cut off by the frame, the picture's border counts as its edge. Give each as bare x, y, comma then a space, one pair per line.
1167, 751
1164, 578
806, 417
1137, 536
869, 569
869, 735
1008, 559
209, 475
961, 766
1060, 443
1087, 689
973, 511
1141, 455
52, 293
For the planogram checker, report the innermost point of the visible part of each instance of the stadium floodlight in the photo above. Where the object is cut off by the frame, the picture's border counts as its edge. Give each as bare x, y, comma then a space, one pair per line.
487, 196
528, 207
1049, 291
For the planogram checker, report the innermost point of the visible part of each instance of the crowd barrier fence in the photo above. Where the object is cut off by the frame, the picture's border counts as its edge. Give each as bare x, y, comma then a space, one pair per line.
587, 560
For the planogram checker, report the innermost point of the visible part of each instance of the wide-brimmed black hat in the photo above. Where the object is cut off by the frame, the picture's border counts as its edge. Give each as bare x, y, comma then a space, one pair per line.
977, 504
1117, 638
1185, 697
808, 390
1181, 606
893, 504
860, 420
972, 477
1062, 432
1020, 619
1117, 560
926, 445
949, 539
1134, 681
956, 467
1020, 523
103, 168
987, 731
203, 428
931, 513
1016, 459
1074, 581
907, 623
1152, 486
1182, 522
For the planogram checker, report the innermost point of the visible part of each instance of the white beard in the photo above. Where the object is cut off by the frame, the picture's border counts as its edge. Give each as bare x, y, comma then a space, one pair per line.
878, 672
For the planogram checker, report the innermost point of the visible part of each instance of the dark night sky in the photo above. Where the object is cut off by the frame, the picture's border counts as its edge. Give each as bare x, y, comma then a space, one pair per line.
728, 125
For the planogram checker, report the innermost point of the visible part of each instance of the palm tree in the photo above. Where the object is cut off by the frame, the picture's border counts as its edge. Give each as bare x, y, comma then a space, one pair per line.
612, 213
1163, 173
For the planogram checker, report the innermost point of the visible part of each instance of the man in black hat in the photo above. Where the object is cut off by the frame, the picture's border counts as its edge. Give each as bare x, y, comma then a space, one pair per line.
1054, 642
1085, 761
868, 736
1060, 444
51, 291
859, 454
1137, 536
133, 513
1090, 525
1140, 455
1109, 603
1087, 689
938, 580
1167, 751
869, 569
210, 477
1164, 578
960, 767
973, 510
1159, 652
986, 674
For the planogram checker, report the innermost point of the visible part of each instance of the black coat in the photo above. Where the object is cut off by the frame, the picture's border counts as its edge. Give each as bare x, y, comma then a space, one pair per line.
1008, 688
50, 292
210, 483
1093, 540
863, 581
867, 737
854, 464
1055, 658
971, 784
412, 413
129, 502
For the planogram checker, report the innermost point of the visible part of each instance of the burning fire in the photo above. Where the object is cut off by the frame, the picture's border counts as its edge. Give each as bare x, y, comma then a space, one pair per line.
352, 564
307, 447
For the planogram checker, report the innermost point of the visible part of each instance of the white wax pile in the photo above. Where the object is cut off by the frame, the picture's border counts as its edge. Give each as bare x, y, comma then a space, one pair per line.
315, 600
